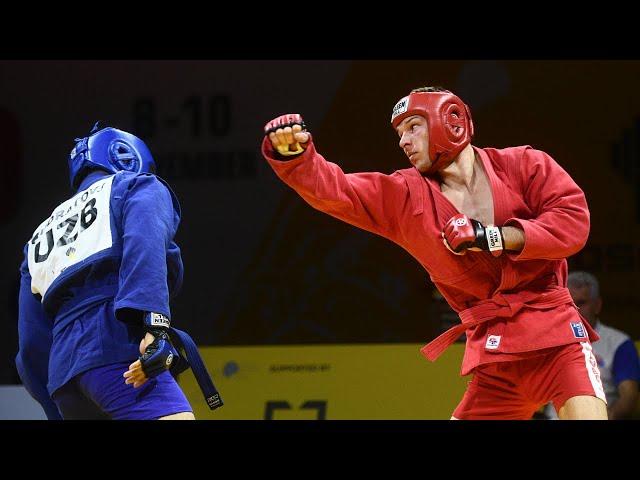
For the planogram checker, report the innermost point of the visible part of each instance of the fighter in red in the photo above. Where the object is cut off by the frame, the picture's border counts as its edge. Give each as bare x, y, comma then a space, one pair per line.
493, 227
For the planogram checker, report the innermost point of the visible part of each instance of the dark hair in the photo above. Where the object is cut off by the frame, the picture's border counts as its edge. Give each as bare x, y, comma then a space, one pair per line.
429, 89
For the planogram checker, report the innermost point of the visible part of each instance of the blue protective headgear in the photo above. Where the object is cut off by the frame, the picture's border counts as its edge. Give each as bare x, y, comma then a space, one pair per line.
109, 149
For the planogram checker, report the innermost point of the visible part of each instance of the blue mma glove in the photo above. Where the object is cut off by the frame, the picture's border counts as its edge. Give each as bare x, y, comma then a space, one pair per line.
159, 354
179, 364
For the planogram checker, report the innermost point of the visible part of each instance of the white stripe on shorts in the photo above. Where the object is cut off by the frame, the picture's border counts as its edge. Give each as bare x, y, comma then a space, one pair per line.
593, 370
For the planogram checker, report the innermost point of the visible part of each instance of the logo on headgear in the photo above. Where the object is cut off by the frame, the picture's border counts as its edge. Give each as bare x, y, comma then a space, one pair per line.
400, 107
460, 222
79, 149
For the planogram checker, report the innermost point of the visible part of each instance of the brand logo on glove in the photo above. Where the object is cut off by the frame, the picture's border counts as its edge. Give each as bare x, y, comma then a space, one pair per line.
159, 320
461, 222
494, 239
169, 359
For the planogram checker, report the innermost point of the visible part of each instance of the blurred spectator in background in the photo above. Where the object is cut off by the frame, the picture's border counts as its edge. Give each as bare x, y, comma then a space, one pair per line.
615, 352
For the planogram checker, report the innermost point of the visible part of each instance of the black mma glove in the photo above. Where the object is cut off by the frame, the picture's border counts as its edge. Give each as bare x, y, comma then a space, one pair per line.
159, 354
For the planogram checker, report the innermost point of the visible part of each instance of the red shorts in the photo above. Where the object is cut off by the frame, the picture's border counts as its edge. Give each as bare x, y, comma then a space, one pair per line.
516, 390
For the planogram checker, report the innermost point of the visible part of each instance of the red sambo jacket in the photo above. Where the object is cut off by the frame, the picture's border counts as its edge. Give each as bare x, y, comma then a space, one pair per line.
511, 306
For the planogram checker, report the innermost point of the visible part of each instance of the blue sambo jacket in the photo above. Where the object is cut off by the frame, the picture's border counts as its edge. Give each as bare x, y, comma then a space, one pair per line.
102, 256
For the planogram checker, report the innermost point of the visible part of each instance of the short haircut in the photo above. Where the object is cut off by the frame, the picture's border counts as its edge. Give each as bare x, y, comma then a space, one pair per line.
579, 279
429, 89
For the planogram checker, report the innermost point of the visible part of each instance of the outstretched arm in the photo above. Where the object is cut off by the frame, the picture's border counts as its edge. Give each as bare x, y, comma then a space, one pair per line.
372, 201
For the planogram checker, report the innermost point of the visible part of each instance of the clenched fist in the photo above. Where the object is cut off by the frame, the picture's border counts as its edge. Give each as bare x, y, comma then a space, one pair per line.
288, 134
462, 233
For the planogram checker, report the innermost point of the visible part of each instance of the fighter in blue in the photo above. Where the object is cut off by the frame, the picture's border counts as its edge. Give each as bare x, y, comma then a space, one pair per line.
95, 335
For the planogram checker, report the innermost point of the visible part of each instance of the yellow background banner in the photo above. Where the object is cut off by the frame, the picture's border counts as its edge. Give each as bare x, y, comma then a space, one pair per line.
334, 382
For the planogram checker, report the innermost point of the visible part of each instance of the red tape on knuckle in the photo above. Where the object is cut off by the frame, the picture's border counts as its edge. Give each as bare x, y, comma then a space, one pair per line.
285, 125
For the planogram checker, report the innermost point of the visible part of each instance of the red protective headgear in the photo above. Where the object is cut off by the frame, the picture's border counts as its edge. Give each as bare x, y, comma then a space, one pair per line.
449, 123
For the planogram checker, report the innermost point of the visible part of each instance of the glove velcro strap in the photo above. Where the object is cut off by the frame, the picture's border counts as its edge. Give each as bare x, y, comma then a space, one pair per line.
495, 241
159, 355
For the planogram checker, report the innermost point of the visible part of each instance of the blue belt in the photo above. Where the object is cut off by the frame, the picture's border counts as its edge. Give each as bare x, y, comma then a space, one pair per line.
194, 360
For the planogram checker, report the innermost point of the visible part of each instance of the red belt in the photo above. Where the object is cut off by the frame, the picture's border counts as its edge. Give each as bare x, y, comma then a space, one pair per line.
500, 305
